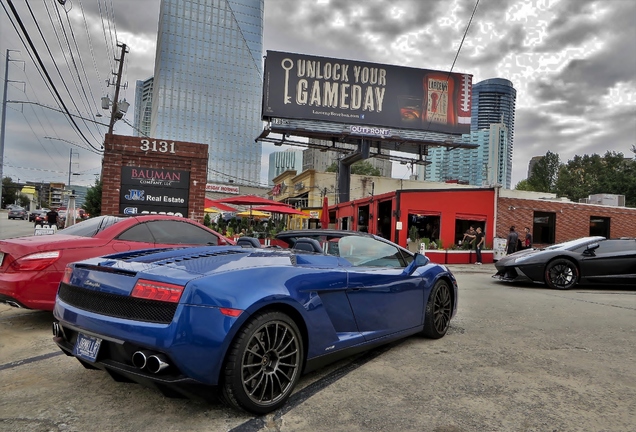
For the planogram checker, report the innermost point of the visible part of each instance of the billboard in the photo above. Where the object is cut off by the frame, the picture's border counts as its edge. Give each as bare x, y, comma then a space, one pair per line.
154, 191
303, 87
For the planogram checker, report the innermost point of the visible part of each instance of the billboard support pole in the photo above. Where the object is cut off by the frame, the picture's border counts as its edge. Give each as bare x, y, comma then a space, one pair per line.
344, 168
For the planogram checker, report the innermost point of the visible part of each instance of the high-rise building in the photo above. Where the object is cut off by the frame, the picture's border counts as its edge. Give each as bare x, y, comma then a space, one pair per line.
143, 107
282, 161
320, 160
494, 103
486, 165
532, 163
208, 82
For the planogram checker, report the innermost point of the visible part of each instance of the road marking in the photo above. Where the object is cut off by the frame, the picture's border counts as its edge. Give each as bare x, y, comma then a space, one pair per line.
29, 360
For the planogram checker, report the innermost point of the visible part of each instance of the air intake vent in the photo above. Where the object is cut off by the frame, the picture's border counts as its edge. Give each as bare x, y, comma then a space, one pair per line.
183, 258
118, 306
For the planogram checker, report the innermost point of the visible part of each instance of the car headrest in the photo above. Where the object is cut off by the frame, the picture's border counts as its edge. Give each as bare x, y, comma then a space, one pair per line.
308, 244
248, 242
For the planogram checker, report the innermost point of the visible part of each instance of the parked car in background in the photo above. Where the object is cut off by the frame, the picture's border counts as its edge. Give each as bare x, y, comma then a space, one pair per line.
39, 212
38, 217
247, 321
587, 260
31, 267
61, 218
18, 213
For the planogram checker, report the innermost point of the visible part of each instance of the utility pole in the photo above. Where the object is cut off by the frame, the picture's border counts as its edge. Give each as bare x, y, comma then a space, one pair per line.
4, 116
114, 113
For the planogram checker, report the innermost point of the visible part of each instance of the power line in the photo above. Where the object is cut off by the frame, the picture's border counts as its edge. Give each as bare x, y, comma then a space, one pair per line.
48, 77
37, 25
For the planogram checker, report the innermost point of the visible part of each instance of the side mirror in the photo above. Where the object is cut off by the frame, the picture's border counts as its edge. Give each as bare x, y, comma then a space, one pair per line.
421, 260
589, 250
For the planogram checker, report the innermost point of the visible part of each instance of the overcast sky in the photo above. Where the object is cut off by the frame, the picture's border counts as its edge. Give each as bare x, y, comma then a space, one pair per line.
573, 63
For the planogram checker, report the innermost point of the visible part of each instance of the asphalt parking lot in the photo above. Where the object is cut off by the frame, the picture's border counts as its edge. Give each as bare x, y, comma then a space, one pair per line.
517, 358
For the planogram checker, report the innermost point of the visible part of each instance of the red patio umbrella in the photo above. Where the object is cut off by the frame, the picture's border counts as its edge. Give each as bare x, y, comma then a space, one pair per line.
324, 217
249, 200
218, 205
281, 210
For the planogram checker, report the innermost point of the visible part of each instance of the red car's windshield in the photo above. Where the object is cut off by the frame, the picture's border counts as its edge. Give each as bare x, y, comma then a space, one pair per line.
92, 226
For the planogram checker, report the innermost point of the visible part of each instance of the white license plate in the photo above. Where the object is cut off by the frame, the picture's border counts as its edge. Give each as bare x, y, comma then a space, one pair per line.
87, 347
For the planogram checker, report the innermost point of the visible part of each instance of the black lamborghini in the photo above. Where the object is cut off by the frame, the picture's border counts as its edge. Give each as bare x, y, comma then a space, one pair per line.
588, 260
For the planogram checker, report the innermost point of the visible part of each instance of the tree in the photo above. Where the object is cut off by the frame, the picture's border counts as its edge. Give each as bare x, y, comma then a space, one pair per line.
93, 199
359, 168
545, 173
9, 191
592, 174
23, 201
523, 185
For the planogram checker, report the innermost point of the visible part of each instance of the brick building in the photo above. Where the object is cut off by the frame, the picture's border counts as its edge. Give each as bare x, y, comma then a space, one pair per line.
146, 175
554, 221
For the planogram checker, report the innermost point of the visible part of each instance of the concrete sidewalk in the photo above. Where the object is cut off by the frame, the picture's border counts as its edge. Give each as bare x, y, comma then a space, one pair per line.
472, 268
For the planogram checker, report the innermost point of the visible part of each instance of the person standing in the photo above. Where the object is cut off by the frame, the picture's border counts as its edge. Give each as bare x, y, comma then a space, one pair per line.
52, 217
528, 241
512, 240
479, 242
469, 236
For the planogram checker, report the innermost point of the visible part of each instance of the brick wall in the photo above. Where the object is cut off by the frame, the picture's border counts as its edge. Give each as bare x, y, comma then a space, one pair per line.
122, 151
572, 219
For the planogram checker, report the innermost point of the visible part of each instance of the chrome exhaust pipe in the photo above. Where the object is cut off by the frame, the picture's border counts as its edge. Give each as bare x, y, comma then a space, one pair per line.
156, 363
13, 304
56, 329
140, 358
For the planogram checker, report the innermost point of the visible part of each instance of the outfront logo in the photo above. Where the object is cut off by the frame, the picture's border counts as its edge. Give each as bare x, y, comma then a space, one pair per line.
130, 210
135, 195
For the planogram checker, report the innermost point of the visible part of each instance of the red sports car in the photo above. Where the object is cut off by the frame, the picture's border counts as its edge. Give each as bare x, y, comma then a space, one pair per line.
31, 267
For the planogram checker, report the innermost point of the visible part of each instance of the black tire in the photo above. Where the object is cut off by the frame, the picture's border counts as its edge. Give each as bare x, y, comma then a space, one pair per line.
439, 309
263, 364
561, 274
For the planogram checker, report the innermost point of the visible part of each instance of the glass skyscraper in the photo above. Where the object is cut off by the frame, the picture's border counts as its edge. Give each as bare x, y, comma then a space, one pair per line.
282, 161
492, 129
208, 82
486, 165
494, 102
143, 107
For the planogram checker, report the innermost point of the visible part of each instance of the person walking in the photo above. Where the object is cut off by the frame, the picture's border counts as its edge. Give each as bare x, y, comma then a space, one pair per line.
52, 217
479, 241
527, 244
511, 243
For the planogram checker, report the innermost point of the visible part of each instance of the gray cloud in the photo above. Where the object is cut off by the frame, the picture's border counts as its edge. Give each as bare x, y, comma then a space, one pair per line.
562, 104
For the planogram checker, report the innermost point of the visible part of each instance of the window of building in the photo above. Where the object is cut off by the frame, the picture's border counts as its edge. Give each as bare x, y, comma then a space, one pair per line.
363, 218
427, 226
600, 226
462, 226
544, 227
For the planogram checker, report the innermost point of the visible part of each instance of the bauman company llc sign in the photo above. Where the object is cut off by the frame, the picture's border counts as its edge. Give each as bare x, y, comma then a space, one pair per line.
154, 191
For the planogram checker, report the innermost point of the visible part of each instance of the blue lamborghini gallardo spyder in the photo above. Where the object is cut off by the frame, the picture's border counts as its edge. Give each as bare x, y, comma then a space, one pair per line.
245, 322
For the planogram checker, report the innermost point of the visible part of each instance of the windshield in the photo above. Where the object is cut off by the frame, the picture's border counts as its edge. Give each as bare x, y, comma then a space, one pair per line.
572, 244
90, 227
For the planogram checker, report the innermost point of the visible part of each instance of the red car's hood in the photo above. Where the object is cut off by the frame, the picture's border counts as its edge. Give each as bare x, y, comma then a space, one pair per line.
20, 246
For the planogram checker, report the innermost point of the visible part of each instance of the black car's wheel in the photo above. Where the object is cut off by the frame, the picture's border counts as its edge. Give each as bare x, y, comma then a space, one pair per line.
438, 311
263, 364
561, 274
